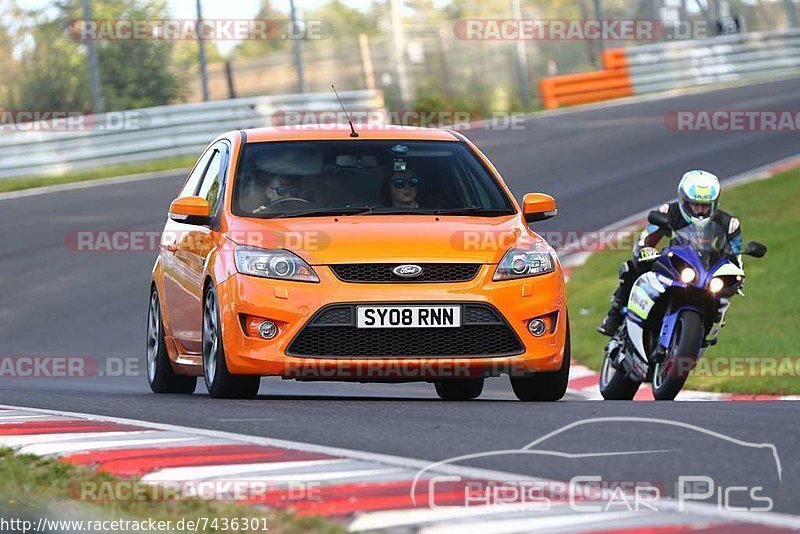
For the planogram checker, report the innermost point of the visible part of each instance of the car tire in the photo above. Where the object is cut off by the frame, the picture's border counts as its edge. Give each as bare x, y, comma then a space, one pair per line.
459, 389
220, 383
160, 374
546, 386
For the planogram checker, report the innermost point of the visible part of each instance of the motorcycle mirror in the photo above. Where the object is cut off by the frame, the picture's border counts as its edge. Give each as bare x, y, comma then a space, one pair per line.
659, 219
757, 250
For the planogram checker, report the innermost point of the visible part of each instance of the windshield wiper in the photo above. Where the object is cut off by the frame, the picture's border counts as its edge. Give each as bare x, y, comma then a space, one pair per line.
325, 211
379, 210
472, 210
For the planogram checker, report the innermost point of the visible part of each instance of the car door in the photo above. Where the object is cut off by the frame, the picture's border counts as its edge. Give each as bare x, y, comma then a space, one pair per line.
188, 251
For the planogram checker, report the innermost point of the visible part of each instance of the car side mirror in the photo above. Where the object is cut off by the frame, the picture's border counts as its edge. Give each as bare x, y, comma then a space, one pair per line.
755, 249
538, 207
190, 210
659, 219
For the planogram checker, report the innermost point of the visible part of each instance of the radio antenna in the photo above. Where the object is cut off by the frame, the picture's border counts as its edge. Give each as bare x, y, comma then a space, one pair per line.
353, 132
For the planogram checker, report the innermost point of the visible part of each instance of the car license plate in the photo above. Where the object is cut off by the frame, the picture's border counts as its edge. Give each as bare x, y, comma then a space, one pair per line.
408, 316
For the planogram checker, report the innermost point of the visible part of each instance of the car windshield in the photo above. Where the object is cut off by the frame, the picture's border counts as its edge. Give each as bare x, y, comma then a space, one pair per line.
710, 241
370, 177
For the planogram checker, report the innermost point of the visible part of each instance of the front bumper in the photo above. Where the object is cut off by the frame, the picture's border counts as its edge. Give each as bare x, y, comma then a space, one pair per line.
291, 305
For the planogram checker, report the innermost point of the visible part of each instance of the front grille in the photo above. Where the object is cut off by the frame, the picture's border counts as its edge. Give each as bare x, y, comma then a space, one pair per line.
332, 333
382, 272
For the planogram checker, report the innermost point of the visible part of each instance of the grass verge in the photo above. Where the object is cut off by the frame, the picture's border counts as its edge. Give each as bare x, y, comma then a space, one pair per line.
764, 324
33, 487
109, 171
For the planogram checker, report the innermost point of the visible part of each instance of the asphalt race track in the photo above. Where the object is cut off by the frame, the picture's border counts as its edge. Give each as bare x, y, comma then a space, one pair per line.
601, 165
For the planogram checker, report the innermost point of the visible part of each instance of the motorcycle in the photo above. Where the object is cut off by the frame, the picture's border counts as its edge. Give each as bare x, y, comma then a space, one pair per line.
674, 312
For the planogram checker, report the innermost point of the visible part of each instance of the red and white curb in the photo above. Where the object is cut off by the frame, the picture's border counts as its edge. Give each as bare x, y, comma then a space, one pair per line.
363, 490
583, 382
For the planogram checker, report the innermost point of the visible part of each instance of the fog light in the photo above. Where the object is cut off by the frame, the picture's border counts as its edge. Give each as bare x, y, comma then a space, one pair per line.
537, 327
267, 329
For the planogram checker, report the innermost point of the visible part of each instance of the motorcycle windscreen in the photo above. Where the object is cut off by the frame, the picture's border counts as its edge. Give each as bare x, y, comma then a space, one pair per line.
709, 240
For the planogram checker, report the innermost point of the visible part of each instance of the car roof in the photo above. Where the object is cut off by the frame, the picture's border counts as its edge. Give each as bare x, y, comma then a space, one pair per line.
342, 132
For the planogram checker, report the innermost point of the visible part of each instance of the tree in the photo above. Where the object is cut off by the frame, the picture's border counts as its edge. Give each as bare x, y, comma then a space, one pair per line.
261, 47
53, 72
133, 73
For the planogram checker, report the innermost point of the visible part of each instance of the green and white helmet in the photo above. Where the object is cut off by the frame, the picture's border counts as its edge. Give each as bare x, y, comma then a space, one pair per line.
698, 196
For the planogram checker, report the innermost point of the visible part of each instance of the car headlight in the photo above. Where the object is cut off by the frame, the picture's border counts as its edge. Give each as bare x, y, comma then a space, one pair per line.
277, 264
520, 263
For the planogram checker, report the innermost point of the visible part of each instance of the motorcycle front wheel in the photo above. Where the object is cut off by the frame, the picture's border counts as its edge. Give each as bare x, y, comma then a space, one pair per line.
671, 373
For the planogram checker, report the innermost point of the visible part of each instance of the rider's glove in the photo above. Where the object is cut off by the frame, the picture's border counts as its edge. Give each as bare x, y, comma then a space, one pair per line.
648, 254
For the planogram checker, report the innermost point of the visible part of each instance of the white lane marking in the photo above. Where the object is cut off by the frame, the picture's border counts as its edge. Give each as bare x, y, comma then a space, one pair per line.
18, 418
59, 449
30, 439
280, 469
86, 184
531, 524
180, 474
386, 519
324, 476
706, 510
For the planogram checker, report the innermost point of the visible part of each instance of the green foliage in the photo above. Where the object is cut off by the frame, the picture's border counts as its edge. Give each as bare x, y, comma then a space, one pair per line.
259, 48
54, 74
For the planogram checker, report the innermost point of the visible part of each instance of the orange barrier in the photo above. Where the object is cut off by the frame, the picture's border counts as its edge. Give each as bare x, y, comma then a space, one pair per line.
613, 81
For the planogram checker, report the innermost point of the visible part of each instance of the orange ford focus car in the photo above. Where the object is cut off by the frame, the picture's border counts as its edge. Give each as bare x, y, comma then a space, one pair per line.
395, 255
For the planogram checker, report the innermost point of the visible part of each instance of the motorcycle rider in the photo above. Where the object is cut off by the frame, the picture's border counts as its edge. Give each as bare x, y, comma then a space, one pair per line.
698, 200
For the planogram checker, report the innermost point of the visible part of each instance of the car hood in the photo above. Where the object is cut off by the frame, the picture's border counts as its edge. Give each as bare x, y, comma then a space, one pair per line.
387, 238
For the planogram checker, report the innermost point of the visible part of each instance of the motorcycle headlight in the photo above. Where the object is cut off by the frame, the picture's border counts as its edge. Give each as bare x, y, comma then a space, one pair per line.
716, 285
688, 275
520, 263
277, 264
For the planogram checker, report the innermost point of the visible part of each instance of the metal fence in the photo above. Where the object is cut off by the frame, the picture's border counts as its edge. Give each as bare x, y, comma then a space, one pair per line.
153, 133
664, 66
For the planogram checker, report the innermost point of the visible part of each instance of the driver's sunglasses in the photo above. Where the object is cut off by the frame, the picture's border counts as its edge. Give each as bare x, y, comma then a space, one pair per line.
400, 183
285, 191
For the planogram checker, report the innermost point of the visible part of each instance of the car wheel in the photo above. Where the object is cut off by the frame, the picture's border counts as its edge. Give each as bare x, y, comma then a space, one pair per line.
545, 387
459, 389
219, 381
160, 375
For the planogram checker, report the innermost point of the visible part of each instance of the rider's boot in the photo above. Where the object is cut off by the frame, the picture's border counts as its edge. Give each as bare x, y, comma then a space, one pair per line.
613, 319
